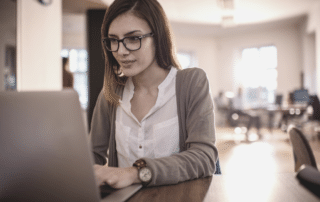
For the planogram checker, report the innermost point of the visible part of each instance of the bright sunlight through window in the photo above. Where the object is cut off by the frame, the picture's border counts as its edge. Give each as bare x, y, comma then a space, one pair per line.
186, 59
258, 75
78, 60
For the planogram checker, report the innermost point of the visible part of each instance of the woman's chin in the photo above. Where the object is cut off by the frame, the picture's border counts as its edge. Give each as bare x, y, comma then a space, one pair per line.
128, 72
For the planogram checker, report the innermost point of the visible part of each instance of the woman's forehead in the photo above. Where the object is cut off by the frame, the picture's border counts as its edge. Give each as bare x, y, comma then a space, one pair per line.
126, 23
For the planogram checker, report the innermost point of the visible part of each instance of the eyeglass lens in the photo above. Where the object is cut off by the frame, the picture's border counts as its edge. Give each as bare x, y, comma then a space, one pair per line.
131, 43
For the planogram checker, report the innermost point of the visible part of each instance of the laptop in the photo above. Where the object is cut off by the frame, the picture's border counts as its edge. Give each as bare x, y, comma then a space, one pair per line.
45, 153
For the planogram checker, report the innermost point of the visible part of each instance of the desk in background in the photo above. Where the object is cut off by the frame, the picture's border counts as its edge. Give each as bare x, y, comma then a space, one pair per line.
256, 188
287, 112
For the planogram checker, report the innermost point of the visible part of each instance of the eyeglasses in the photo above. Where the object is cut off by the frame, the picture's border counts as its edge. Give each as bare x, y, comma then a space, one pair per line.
131, 43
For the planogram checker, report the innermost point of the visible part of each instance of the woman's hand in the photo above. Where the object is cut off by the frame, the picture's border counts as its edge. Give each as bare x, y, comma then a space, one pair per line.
116, 177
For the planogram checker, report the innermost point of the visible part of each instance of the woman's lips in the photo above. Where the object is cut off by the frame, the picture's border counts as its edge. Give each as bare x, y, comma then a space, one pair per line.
126, 63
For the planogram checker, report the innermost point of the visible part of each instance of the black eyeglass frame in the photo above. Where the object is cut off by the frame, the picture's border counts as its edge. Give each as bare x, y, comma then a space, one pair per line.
124, 44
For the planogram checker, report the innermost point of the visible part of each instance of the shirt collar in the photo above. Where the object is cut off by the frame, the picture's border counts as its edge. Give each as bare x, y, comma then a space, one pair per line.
165, 92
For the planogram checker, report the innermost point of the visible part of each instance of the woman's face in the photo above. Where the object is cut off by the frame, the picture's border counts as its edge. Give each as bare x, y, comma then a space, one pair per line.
133, 63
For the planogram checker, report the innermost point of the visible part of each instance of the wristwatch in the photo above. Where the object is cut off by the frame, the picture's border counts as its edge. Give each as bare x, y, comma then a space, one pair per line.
144, 173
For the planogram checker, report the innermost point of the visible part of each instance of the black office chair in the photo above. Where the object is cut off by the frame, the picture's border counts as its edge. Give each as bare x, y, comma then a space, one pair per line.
310, 178
302, 151
315, 104
237, 119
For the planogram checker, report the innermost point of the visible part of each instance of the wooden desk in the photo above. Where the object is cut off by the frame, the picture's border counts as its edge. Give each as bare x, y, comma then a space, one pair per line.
280, 187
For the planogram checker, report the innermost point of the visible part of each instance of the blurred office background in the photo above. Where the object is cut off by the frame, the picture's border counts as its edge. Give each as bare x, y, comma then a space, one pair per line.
267, 47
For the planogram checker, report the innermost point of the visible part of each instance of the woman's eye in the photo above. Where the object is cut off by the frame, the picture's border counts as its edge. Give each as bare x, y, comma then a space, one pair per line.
133, 39
113, 40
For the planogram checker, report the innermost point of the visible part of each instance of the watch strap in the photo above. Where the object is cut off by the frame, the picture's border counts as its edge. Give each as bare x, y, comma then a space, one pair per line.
141, 164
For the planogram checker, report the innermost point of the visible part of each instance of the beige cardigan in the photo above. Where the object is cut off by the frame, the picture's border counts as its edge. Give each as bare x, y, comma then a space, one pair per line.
198, 153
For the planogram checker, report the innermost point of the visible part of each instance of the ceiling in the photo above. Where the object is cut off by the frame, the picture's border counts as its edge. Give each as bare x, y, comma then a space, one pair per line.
206, 16
243, 12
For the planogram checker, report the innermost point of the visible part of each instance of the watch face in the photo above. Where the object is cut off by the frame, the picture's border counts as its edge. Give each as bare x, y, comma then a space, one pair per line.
145, 174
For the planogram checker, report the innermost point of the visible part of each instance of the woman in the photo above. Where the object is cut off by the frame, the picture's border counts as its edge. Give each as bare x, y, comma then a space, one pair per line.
153, 121
67, 80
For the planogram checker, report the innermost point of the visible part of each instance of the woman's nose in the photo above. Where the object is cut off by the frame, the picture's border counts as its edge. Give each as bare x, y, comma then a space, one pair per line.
122, 49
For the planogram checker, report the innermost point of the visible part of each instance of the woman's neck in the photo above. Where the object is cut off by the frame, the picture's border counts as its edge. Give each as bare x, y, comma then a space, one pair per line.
150, 78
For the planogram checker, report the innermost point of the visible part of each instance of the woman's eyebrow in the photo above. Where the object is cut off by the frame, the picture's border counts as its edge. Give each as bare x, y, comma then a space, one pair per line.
112, 35
129, 33
132, 32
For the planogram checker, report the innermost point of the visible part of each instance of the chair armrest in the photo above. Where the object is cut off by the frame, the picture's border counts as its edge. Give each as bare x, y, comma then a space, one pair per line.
310, 178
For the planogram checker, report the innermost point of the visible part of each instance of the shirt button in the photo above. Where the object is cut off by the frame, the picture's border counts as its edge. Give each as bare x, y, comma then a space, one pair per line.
140, 147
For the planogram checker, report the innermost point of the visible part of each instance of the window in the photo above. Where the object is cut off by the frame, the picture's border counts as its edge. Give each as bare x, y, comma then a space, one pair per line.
78, 64
10, 69
258, 75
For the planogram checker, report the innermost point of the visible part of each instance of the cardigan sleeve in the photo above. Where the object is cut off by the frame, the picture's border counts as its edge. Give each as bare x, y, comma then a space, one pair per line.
198, 155
100, 130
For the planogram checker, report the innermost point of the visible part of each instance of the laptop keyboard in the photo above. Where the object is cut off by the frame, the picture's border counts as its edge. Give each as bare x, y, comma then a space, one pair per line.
106, 190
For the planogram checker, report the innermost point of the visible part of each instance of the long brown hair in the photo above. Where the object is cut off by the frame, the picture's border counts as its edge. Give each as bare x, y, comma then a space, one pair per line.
152, 12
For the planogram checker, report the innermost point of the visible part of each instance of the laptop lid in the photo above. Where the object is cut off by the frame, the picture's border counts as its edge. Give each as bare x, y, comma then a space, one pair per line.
44, 151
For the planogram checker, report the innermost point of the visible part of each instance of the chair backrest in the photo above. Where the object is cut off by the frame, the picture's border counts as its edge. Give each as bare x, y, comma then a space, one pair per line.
314, 102
302, 151
278, 100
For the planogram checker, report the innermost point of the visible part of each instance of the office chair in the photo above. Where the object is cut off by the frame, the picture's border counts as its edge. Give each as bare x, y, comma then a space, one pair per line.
302, 151
309, 121
310, 178
278, 101
315, 104
237, 119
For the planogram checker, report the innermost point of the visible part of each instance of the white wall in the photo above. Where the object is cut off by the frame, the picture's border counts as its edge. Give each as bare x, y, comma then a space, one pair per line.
314, 27
203, 48
39, 35
74, 31
285, 38
309, 62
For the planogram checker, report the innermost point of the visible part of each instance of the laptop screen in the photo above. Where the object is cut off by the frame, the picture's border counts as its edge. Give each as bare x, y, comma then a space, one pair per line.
45, 153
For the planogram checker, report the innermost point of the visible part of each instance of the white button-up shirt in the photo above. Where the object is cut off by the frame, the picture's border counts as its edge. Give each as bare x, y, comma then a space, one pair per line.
157, 135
